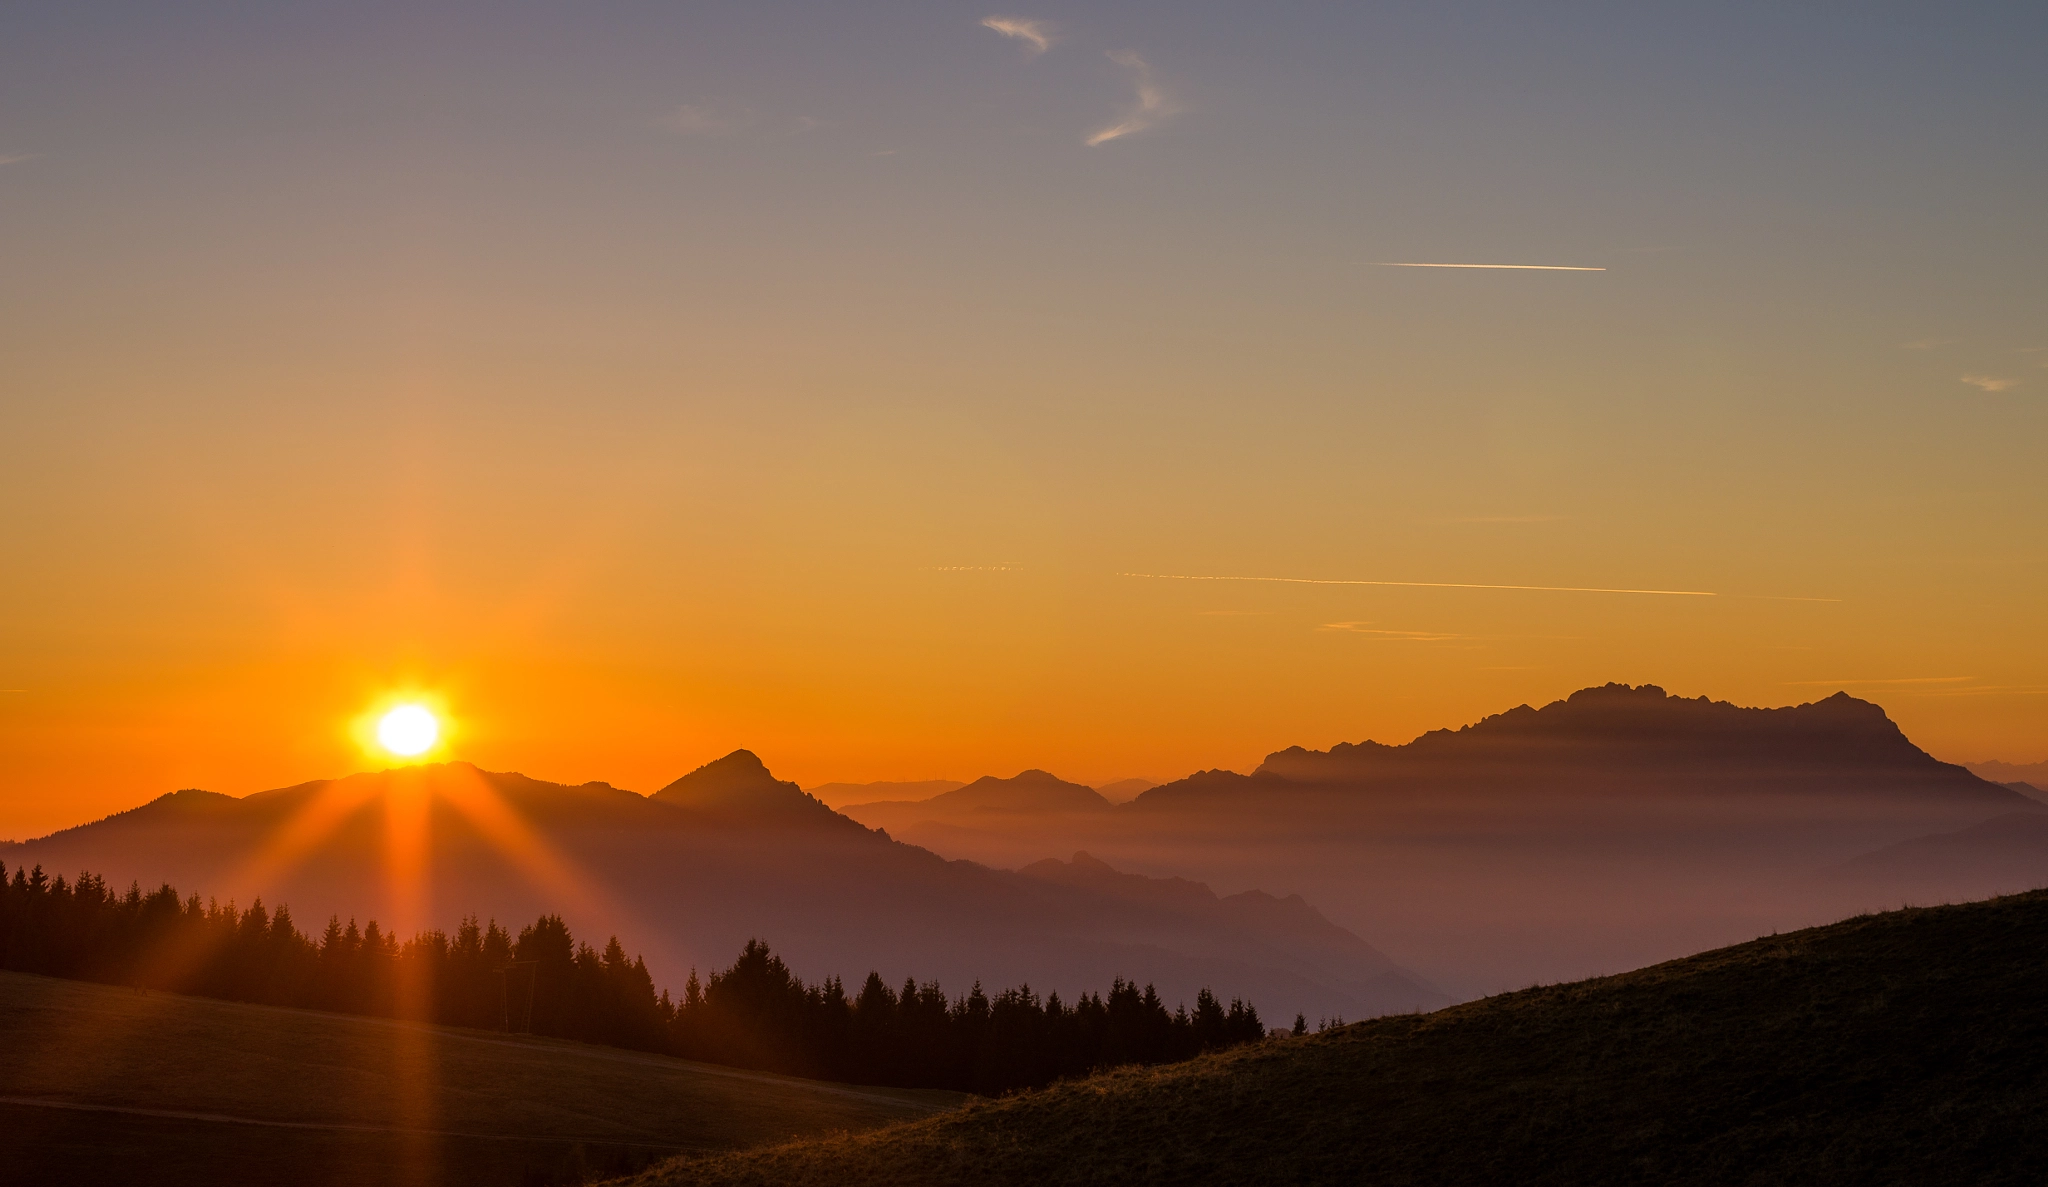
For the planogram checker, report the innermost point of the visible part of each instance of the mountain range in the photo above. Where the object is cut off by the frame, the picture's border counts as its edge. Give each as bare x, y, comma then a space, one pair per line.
2029, 779
839, 795
1609, 830
727, 853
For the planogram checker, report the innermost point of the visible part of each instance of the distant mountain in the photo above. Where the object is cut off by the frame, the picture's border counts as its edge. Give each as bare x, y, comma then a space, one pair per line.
1295, 933
1638, 742
1608, 830
2007, 852
1030, 793
739, 787
1613, 828
2029, 779
1124, 790
838, 795
722, 855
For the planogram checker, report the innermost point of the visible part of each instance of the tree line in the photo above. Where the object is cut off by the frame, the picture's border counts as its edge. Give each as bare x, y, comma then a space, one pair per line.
755, 1014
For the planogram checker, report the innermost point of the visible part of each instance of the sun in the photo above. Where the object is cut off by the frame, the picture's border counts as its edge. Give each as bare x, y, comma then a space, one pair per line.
408, 731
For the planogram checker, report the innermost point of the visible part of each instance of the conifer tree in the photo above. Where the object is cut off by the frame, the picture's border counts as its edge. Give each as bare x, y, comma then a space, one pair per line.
757, 1013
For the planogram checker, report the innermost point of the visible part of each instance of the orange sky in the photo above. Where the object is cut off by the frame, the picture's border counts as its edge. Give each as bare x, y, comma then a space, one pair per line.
826, 420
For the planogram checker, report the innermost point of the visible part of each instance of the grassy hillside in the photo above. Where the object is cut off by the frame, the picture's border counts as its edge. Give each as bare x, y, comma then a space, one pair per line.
104, 1084
1909, 1047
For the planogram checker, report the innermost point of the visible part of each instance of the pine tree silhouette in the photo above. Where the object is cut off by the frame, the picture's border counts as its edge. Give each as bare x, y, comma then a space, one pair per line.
756, 1014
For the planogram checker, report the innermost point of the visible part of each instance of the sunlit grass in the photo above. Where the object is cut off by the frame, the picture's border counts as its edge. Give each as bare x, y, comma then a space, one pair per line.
379, 1096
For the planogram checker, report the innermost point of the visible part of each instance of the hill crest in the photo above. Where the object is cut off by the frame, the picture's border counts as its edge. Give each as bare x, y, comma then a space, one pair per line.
1907, 1047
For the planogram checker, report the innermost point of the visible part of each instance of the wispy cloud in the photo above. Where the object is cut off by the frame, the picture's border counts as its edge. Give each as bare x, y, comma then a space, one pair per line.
1990, 383
1889, 680
1037, 36
718, 119
1507, 267
1149, 107
1366, 628
1986, 690
696, 119
1672, 593
14, 158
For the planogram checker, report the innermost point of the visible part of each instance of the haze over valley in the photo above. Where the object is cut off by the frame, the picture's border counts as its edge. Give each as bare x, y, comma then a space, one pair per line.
1132, 593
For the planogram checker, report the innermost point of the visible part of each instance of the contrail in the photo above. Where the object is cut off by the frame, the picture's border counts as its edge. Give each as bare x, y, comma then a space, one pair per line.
1670, 593
1512, 267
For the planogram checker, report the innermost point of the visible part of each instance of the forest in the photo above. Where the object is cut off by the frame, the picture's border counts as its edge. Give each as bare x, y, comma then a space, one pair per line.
754, 1014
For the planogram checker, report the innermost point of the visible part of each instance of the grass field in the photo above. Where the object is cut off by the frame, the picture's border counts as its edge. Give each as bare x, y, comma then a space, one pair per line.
107, 1085
1904, 1048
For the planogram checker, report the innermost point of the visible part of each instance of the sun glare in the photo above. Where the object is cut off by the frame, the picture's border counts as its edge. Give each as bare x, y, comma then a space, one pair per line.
408, 731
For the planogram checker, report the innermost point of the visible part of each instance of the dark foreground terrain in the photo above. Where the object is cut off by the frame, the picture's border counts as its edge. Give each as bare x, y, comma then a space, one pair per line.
1908, 1047
101, 1084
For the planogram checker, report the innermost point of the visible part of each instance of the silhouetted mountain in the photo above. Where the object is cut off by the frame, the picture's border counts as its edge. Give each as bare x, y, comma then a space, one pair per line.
1905, 1048
2029, 779
1027, 791
688, 875
2009, 851
1616, 827
1608, 830
837, 795
2035, 773
1125, 790
1294, 933
1637, 741
739, 786
1032, 793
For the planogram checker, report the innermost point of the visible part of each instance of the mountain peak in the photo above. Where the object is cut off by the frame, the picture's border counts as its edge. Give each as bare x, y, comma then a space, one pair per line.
739, 782
1027, 791
739, 765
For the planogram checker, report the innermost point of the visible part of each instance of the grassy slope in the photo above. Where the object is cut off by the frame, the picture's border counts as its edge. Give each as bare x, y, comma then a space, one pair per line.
357, 1094
1910, 1047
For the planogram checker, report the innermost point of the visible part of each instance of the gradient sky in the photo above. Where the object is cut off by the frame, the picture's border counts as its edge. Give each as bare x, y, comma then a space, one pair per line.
651, 380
